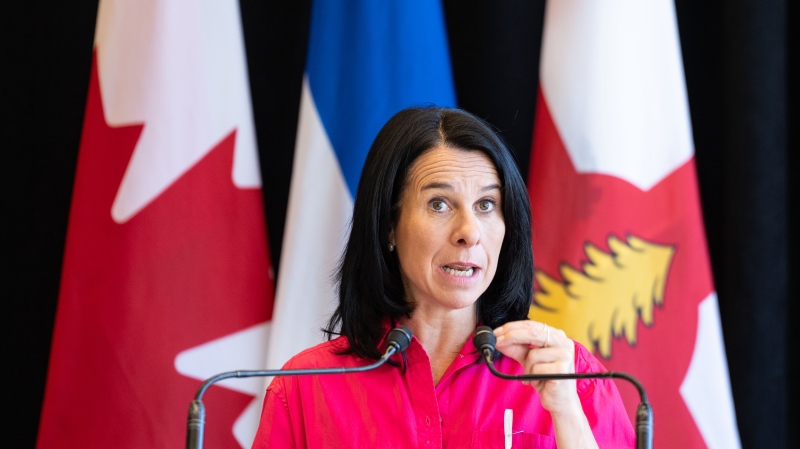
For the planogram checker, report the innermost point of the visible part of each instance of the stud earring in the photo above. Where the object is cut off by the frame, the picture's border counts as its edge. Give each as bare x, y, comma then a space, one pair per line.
391, 247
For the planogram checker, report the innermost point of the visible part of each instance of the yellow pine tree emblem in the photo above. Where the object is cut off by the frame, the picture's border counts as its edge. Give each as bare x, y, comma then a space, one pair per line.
606, 297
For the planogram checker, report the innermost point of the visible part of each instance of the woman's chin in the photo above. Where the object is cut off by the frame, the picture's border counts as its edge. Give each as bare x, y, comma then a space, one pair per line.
459, 302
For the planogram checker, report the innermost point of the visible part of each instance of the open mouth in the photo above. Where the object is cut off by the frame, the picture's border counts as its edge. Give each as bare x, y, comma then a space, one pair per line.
458, 271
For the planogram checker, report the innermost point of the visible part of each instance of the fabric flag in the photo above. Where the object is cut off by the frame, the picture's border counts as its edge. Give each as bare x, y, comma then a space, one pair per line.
622, 261
166, 274
366, 60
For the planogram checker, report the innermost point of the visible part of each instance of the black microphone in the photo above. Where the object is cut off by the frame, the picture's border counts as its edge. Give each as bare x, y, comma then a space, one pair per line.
397, 340
485, 340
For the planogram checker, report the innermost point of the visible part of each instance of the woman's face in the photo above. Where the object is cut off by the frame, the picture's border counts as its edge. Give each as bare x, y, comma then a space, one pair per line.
450, 228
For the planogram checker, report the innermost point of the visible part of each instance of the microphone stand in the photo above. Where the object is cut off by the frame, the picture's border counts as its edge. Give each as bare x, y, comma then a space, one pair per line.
485, 340
397, 340
644, 417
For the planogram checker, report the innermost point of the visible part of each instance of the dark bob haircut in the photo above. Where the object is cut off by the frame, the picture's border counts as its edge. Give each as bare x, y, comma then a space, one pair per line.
371, 292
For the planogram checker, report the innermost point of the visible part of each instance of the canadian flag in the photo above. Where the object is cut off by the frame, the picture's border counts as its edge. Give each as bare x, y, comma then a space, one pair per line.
621, 256
166, 270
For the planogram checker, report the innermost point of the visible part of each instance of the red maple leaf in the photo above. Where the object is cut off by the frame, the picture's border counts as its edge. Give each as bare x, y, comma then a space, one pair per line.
571, 209
190, 267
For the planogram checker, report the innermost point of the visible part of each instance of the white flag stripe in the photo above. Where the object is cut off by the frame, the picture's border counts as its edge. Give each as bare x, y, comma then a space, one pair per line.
179, 68
311, 248
228, 353
245, 427
612, 75
705, 389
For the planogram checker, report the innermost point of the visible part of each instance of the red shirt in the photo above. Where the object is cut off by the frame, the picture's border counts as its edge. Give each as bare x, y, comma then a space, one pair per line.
385, 408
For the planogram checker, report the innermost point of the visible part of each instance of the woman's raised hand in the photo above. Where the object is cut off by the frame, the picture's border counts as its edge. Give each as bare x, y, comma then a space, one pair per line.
542, 349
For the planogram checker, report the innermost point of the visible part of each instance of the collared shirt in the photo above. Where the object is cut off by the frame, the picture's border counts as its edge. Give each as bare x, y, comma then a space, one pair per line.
386, 408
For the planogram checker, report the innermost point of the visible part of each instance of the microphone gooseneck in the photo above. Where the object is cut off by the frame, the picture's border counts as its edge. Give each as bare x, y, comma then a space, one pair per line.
485, 341
397, 340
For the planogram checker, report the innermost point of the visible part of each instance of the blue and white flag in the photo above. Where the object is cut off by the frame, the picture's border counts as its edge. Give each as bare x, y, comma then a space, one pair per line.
366, 61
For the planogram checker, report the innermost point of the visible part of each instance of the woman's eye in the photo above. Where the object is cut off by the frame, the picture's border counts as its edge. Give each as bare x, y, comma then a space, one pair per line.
438, 205
486, 206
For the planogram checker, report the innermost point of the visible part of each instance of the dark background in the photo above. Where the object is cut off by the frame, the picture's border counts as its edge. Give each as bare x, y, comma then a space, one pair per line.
741, 65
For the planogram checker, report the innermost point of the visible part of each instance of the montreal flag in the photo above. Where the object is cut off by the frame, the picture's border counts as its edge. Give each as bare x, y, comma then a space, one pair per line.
622, 260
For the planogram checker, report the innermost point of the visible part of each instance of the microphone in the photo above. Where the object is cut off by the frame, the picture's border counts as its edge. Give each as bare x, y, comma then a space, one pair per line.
397, 340
485, 341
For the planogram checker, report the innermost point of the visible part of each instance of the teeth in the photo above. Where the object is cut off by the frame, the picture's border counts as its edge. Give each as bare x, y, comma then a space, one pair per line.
454, 272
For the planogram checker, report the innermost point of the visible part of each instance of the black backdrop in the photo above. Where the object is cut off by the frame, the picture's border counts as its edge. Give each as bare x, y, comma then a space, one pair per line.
741, 71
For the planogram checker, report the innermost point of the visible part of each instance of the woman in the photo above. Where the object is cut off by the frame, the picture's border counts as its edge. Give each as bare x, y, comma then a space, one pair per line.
440, 242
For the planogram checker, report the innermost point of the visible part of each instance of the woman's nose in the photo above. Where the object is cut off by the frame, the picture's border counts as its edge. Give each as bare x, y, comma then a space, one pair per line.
466, 230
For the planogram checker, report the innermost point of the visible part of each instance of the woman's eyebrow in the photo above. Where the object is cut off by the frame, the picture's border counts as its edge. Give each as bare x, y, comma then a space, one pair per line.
437, 185
446, 186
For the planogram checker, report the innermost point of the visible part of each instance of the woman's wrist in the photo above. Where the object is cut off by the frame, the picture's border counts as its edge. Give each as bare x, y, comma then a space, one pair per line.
572, 428
569, 410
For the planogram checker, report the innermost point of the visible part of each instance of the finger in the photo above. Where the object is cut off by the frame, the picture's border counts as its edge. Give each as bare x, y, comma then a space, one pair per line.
537, 369
516, 352
520, 332
560, 357
546, 361
528, 332
515, 325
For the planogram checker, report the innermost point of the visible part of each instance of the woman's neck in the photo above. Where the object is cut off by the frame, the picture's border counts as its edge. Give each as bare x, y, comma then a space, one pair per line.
442, 335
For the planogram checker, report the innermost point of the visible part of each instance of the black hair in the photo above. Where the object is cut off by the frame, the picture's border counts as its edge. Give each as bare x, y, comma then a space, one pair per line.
371, 292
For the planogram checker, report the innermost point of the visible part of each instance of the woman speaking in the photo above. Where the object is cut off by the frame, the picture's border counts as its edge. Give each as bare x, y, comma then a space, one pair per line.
441, 243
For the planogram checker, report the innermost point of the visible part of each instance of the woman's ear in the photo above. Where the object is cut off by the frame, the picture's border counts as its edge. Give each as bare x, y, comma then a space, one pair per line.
391, 240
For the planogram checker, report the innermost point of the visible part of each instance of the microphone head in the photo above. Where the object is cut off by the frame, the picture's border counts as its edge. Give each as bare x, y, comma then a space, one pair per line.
484, 339
399, 337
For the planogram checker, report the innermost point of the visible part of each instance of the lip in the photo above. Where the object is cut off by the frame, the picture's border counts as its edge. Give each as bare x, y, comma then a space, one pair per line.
461, 266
